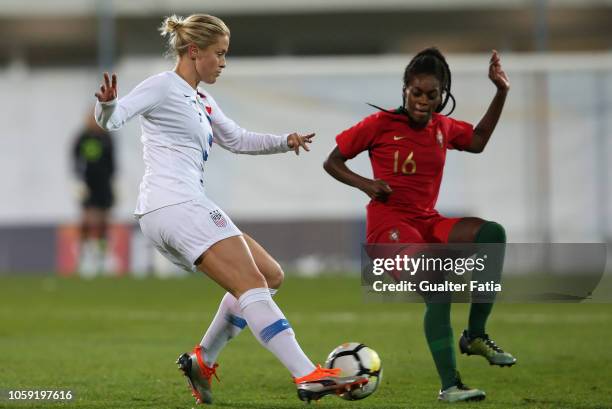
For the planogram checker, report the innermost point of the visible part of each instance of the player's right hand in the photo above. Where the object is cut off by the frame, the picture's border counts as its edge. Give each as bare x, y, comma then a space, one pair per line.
377, 189
108, 89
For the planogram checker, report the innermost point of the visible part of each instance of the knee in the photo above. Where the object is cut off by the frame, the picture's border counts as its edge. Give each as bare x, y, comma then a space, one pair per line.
257, 280
275, 276
249, 281
491, 232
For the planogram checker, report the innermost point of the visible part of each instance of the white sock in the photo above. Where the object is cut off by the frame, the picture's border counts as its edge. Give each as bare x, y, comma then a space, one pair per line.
273, 331
88, 258
228, 323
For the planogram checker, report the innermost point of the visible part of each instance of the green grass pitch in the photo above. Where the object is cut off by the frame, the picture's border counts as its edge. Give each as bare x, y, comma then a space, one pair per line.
113, 342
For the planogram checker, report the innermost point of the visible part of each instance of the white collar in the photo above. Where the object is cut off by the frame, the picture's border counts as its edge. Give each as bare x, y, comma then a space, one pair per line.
185, 87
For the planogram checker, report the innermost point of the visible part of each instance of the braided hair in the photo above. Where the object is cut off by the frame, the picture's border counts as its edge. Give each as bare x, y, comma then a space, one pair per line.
431, 61
428, 61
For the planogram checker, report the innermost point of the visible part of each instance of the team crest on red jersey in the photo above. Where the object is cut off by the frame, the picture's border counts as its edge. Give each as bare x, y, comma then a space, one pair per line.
440, 138
394, 235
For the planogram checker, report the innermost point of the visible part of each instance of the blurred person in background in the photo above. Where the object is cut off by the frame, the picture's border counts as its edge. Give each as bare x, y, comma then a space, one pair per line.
407, 148
180, 123
94, 166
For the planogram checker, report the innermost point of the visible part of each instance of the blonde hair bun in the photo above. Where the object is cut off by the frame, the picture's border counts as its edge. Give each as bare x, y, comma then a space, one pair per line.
200, 29
170, 25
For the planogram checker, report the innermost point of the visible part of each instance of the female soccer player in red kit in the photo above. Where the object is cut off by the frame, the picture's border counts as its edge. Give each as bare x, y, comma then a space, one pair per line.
407, 149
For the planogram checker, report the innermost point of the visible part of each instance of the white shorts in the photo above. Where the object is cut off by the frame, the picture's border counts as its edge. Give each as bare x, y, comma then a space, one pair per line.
182, 232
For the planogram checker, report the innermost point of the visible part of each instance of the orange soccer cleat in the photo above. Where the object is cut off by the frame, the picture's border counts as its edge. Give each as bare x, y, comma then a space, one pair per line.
323, 381
198, 374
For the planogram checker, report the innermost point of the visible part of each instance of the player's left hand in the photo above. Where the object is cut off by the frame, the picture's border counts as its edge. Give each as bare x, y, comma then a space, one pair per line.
81, 191
497, 74
294, 141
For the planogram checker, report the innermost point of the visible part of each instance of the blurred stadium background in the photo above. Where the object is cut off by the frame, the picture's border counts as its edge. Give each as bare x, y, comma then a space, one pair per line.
297, 65
311, 66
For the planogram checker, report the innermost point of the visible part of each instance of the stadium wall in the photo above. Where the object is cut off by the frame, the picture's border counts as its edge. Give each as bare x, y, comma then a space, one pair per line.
547, 160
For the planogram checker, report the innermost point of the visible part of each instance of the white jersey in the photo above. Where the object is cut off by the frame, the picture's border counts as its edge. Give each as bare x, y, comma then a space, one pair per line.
179, 125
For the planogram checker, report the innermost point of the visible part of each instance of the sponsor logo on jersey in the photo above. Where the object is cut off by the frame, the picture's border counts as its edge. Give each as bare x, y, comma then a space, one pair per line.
218, 218
398, 138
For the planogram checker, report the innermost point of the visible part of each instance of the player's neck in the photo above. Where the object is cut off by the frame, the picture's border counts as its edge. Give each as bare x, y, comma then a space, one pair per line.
187, 73
418, 126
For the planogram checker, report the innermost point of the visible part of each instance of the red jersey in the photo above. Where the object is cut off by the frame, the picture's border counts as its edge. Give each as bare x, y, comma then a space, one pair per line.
410, 160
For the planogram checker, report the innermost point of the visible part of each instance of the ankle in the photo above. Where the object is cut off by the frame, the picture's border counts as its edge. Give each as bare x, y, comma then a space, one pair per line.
475, 333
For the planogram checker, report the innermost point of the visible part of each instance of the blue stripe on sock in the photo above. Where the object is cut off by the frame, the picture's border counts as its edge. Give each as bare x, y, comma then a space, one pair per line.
271, 330
236, 321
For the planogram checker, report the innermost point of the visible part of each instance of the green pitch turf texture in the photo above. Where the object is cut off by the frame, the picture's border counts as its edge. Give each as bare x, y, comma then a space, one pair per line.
113, 342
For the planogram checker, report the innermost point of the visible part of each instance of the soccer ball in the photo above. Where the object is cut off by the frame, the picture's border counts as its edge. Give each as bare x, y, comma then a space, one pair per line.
355, 359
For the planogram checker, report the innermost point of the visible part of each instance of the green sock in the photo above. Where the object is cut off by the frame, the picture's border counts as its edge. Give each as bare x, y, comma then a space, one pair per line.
439, 336
490, 232
479, 313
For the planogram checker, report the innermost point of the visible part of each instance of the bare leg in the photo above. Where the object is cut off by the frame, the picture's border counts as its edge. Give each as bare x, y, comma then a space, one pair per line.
230, 263
266, 264
93, 241
465, 230
229, 321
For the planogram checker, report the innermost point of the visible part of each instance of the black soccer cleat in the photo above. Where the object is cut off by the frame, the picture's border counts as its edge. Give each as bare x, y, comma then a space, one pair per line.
461, 393
486, 347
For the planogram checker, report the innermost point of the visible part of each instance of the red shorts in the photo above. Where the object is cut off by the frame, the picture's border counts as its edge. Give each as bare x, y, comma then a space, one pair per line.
385, 225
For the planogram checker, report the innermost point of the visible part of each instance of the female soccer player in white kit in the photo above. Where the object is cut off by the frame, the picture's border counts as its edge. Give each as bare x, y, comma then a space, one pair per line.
180, 122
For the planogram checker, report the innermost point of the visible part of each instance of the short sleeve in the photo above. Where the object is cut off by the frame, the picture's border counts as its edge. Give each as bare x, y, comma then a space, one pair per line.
459, 134
358, 138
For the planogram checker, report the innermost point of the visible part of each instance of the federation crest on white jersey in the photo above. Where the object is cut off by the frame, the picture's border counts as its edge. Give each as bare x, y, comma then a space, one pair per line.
355, 359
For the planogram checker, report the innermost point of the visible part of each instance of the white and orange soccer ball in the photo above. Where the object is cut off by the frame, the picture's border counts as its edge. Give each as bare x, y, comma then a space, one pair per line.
355, 359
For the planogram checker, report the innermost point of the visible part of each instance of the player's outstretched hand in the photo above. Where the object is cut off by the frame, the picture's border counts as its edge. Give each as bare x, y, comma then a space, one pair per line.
377, 189
497, 74
108, 89
294, 141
